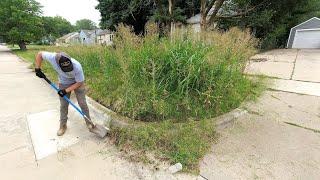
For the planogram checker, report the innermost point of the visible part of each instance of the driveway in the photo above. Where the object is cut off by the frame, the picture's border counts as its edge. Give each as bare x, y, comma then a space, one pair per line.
289, 64
294, 70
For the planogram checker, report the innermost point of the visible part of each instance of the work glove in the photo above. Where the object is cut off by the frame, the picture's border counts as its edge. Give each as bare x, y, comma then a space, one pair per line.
39, 73
62, 92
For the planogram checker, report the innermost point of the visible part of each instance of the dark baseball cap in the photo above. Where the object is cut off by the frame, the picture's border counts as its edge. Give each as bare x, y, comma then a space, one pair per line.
64, 62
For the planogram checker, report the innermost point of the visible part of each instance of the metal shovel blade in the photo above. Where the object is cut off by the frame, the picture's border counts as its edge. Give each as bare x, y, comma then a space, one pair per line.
99, 130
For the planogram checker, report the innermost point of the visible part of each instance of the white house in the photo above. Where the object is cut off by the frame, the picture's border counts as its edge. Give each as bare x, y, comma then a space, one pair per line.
70, 38
305, 35
194, 22
105, 37
88, 37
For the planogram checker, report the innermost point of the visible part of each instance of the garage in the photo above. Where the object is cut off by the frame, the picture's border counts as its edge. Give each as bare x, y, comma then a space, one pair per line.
305, 35
307, 38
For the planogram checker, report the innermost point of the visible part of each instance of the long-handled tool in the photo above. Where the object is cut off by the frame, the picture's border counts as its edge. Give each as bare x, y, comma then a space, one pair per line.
97, 129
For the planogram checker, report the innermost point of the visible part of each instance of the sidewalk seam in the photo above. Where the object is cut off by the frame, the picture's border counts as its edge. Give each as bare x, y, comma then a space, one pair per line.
276, 90
17, 148
303, 127
33, 150
294, 64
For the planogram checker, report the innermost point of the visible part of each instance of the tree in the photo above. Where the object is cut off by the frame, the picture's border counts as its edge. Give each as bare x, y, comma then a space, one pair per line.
137, 12
213, 10
85, 24
62, 25
170, 9
205, 8
166, 13
20, 21
270, 20
56, 27
131, 12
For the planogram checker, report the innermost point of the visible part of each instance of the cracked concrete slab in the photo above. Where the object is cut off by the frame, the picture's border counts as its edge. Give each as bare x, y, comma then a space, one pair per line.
261, 146
294, 108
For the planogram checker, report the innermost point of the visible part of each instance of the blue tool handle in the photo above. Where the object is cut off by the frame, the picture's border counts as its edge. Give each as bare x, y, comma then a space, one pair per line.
65, 97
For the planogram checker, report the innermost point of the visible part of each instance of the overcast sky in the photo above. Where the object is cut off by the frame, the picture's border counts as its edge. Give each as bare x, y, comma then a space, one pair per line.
72, 10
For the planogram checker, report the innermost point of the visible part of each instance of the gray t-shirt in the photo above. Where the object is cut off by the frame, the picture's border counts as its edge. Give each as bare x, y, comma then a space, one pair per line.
66, 78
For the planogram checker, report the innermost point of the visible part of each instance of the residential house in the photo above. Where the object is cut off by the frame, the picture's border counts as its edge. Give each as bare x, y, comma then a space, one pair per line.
194, 21
48, 40
70, 38
105, 37
88, 37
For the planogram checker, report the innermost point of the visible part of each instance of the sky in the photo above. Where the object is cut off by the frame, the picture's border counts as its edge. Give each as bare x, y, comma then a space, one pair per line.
72, 10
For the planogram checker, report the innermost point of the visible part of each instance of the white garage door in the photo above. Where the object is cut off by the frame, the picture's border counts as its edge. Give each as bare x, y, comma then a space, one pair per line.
307, 38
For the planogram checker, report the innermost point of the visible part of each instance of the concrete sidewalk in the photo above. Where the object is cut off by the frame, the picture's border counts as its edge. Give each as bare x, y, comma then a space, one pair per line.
29, 148
279, 137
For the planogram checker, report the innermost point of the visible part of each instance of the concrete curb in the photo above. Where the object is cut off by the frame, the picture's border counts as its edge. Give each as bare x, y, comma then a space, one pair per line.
112, 119
229, 118
106, 116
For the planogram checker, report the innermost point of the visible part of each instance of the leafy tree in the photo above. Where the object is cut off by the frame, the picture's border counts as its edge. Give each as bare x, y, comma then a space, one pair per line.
271, 20
166, 14
137, 12
20, 21
62, 25
168, 11
131, 12
214, 10
55, 27
85, 24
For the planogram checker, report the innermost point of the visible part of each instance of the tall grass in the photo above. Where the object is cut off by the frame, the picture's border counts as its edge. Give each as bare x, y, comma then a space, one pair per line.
169, 81
153, 79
